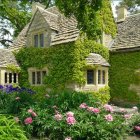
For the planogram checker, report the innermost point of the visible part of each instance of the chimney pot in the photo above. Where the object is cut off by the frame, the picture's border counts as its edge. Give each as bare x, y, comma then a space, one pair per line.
121, 13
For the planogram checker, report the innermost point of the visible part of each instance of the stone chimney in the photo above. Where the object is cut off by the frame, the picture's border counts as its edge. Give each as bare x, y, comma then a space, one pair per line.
121, 13
35, 5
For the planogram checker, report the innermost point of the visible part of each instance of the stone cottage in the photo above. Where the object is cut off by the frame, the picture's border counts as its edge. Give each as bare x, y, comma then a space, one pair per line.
125, 58
48, 27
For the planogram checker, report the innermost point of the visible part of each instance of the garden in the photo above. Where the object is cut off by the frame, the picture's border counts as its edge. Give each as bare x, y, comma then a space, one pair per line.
65, 115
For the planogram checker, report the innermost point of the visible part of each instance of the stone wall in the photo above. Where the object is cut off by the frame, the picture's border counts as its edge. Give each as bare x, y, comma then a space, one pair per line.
39, 26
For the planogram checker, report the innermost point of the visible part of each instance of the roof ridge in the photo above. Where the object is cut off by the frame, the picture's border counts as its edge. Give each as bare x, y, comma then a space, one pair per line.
46, 11
133, 15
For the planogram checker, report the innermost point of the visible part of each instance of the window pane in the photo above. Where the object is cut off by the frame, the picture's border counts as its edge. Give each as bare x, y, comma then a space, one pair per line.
15, 77
33, 78
43, 75
90, 77
36, 40
99, 76
5, 77
103, 77
41, 40
38, 77
10, 77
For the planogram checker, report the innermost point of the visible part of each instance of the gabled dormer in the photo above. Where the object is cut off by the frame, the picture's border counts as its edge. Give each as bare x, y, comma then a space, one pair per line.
42, 27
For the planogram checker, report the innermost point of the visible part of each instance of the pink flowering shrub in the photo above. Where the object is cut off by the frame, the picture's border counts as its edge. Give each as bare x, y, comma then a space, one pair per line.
28, 120
109, 117
108, 108
83, 105
58, 117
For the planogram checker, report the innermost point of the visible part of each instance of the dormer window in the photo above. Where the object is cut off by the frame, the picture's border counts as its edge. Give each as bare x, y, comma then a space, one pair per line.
39, 40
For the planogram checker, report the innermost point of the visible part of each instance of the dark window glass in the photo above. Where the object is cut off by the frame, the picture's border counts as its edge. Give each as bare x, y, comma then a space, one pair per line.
103, 76
10, 77
33, 78
99, 76
15, 77
41, 40
36, 40
5, 77
38, 77
90, 76
43, 75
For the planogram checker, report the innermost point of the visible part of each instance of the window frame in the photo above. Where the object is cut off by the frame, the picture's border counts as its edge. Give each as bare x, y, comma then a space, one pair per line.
100, 76
35, 71
39, 43
94, 75
10, 77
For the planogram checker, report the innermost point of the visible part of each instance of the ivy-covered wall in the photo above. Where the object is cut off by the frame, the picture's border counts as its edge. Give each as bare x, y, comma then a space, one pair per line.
124, 79
65, 62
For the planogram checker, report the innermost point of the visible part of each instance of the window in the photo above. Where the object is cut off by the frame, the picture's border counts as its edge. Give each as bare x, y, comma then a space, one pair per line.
103, 76
90, 76
37, 76
33, 78
10, 78
99, 76
36, 40
39, 40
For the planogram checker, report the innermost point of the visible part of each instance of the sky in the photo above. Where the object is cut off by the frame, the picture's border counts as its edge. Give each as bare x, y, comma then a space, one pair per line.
114, 3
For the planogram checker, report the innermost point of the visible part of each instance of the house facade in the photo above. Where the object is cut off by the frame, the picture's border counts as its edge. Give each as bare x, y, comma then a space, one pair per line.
125, 59
48, 28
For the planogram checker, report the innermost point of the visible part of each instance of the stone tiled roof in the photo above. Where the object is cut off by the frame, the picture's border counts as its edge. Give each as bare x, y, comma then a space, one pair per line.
66, 28
51, 18
96, 59
7, 58
20, 41
128, 36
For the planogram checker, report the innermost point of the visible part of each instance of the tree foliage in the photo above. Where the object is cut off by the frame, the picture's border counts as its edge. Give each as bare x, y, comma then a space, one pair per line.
90, 15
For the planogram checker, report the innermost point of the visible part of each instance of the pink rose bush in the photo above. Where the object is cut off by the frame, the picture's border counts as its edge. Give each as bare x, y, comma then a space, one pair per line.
70, 114
127, 116
28, 120
70, 118
17, 98
137, 128
32, 112
68, 138
58, 117
16, 119
83, 105
109, 117
108, 108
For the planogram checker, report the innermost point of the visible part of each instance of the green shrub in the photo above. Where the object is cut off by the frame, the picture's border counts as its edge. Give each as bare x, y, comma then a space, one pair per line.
88, 124
9, 130
12, 99
103, 95
67, 100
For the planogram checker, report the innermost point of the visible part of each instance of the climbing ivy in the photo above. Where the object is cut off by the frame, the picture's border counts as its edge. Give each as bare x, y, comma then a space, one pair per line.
94, 17
65, 62
124, 72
